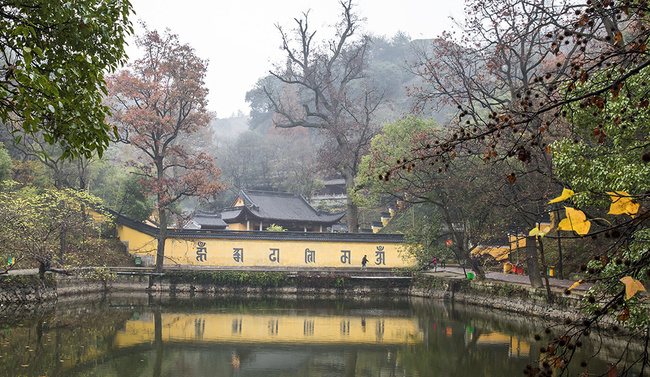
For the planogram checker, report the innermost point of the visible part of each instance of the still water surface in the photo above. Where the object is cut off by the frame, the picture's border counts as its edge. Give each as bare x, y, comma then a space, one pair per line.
137, 336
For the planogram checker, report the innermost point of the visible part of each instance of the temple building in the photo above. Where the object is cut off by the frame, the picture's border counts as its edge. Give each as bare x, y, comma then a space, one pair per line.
257, 210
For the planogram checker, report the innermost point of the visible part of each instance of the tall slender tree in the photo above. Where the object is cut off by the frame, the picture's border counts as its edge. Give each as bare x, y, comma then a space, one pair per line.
157, 103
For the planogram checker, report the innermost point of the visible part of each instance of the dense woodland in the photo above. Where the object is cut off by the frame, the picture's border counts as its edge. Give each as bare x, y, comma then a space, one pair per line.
532, 113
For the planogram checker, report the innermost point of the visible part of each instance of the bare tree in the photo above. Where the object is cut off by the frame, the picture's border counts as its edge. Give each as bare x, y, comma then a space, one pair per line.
325, 89
491, 66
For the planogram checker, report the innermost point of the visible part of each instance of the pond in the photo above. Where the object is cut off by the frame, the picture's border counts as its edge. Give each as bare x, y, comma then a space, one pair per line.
140, 335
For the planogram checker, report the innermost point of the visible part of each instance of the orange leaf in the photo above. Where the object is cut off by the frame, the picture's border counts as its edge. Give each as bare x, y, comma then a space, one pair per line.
604, 260
577, 283
576, 221
618, 36
622, 203
566, 194
625, 315
632, 286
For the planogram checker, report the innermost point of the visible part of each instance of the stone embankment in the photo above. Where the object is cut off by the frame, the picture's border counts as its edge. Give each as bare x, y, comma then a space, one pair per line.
26, 289
506, 296
509, 293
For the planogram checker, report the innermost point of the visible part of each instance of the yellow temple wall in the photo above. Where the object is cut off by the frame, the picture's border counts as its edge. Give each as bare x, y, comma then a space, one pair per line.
137, 242
259, 252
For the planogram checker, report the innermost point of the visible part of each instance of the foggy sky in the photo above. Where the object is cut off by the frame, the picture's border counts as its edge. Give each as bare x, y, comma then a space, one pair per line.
241, 41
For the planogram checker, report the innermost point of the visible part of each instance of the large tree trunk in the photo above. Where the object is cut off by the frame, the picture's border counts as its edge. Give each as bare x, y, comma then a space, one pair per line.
353, 216
352, 208
41, 270
162, 219
162, 237
475, 264
532, 263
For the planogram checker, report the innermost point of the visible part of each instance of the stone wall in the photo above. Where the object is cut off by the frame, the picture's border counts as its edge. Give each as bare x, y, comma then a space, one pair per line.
327, 284
498, 295
503, 296
23, 289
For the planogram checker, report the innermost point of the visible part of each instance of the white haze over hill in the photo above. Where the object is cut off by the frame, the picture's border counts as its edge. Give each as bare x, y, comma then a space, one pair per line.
242, 43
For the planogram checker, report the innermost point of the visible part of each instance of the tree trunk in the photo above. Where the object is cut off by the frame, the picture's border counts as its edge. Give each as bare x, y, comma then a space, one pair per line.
475, 265
162, 237
351, 363
549, 295
352, 208
353, 216
531, 262
162, 217
62, 244
41, 270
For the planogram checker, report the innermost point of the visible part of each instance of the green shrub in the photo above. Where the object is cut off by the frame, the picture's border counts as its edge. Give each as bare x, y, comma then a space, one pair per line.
230, 278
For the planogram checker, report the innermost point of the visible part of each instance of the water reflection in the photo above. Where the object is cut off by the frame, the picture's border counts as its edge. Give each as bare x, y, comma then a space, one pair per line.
271, 329
147, 336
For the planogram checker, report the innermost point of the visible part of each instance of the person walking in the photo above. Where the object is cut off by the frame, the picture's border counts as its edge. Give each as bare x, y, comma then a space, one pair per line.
364, 261
435, 264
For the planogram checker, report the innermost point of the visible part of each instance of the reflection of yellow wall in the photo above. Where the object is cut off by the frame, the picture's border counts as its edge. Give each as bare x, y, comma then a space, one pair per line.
516, 346
260, 252
272, 329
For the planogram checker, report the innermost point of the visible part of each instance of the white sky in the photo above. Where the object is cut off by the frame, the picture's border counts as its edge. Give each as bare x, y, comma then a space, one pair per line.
240, 39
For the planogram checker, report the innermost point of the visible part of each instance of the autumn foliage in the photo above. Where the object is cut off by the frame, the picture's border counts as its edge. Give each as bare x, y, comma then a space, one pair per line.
158, 104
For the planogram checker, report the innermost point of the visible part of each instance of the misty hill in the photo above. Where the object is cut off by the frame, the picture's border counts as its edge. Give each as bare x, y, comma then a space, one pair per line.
228, 128
388, 63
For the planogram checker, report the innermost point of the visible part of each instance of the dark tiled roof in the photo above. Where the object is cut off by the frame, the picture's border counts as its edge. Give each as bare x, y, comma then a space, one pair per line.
246, 235
230, 213
207, 220
283, 206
